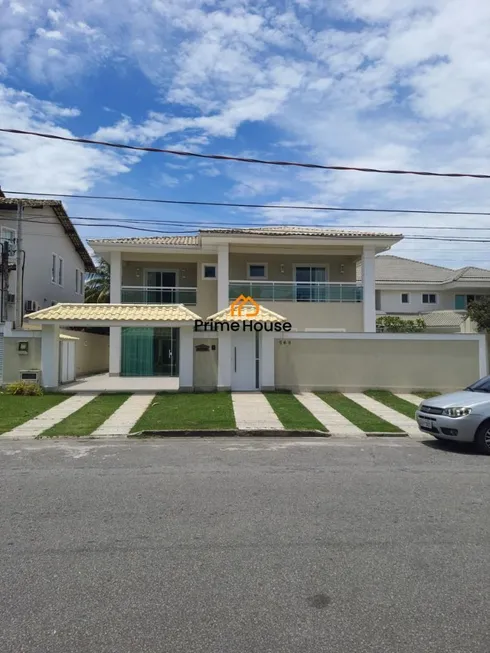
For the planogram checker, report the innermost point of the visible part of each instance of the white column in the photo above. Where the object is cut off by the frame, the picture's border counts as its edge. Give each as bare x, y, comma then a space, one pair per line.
223, 276
186, 359
50, 355
369, 289
116, 277
267, 376
115, 351
224, 361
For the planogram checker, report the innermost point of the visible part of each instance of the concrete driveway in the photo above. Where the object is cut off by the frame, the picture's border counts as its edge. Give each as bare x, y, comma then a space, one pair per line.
238, 546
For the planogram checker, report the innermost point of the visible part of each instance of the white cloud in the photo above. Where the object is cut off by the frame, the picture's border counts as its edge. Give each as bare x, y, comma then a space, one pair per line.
36, 165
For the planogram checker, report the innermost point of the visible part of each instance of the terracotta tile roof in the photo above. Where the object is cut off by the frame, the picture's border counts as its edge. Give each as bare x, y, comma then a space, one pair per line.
66, 223
177, 241
264, 315
396, 269
322, 232
80, 313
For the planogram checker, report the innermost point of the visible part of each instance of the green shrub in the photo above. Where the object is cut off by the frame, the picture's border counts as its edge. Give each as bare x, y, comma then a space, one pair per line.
26, 388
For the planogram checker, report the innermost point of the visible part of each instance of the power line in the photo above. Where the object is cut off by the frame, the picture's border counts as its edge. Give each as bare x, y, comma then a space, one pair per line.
253, 206
163, 232
223, 157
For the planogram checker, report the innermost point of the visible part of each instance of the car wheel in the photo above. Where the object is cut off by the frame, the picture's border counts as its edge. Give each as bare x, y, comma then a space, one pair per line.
482, 439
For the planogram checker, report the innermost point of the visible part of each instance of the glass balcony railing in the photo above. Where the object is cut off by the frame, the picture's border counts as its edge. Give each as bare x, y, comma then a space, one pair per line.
292, 291
157, 295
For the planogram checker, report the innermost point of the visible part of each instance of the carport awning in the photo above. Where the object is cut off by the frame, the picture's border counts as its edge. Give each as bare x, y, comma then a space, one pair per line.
104, 315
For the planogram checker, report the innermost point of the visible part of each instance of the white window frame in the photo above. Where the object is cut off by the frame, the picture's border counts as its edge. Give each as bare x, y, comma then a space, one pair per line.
266, 271
203, 269
429, 303
61, 272
54, 268
8, 230
59, 266
408, 297
78, 281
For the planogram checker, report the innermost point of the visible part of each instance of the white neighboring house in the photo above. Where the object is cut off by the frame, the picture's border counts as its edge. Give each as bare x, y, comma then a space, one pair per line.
54, 262
440, 295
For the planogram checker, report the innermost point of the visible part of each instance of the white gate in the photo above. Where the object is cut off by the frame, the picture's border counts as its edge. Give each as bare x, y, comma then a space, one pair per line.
67, 361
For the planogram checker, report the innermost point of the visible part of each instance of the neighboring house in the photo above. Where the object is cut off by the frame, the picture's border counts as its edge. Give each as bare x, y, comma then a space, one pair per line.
405, 286
54, 258
54, 262
255, 309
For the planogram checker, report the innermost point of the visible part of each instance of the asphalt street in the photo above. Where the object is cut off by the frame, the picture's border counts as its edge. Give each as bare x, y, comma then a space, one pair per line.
243, 546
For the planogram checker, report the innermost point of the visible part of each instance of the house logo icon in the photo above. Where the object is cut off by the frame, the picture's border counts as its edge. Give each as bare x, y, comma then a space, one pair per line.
240, 302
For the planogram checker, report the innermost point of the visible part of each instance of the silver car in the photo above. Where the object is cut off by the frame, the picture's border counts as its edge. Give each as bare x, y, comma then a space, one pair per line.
462, 416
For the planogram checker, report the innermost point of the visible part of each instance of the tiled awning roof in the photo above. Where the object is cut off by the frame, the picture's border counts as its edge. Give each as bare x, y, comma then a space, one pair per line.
247, 313
112, 313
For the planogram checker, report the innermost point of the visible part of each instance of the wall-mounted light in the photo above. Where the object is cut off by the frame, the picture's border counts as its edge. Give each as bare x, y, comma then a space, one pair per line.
342, 268
137, 273
282, 268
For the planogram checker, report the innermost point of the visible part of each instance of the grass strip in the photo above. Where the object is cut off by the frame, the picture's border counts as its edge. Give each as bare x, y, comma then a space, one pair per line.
187, 412
292, 413
364, 419
17, 409
392, 401
426, 394
88, 418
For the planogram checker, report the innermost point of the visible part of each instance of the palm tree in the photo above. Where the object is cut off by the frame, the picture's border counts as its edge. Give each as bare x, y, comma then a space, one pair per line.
97, 288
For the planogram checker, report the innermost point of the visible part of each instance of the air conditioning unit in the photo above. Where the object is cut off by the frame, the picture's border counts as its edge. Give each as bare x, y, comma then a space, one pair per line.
30, 375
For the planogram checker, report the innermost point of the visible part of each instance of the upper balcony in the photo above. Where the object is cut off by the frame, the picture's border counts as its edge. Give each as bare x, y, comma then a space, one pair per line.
297, 291
158, 295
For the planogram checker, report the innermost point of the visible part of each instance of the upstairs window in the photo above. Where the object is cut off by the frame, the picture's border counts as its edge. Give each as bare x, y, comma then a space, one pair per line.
257, 271
429, 298
208, 271
79, 282
57, 270
405, 298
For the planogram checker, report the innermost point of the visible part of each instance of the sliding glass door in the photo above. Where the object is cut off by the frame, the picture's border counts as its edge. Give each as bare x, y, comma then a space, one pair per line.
309, 283
149, 352
161, 286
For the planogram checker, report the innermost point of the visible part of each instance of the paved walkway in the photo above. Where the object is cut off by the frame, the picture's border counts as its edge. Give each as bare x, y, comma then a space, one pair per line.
133, 384
333, 421
125, 417
49, 418
253, 411
413, 399
404, 423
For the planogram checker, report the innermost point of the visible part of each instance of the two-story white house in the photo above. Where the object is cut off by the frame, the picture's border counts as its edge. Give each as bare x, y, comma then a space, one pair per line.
43, 265
160, 286
407, 287
54, 259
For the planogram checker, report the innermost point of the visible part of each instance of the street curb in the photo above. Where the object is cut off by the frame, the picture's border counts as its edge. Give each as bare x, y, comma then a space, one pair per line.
256, 433
397, 434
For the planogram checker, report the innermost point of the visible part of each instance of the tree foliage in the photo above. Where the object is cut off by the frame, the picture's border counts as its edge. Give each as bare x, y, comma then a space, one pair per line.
97, 286
395, 324
479, 312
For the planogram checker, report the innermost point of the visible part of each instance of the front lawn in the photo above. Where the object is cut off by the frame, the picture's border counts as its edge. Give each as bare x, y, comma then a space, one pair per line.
88, 418
292, 413
364, 419
426, 394
392, 401
182, 411
16, 409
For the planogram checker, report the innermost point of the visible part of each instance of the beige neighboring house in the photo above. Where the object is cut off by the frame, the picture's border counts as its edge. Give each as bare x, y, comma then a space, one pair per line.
248, 309
54, 262
439, 295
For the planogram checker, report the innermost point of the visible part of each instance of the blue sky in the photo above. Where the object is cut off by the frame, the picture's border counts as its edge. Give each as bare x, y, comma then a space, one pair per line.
402, 84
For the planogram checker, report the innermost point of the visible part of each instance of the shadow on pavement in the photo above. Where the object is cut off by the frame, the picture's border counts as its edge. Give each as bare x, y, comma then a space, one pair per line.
451, 447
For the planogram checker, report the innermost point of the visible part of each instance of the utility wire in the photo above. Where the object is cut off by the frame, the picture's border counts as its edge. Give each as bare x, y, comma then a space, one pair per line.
193, 231
251, 206
223, 157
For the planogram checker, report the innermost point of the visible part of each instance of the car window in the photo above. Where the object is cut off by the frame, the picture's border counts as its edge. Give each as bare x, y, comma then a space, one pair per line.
483, 385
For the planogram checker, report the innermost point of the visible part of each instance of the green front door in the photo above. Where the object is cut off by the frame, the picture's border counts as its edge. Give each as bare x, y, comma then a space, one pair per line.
149, 352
